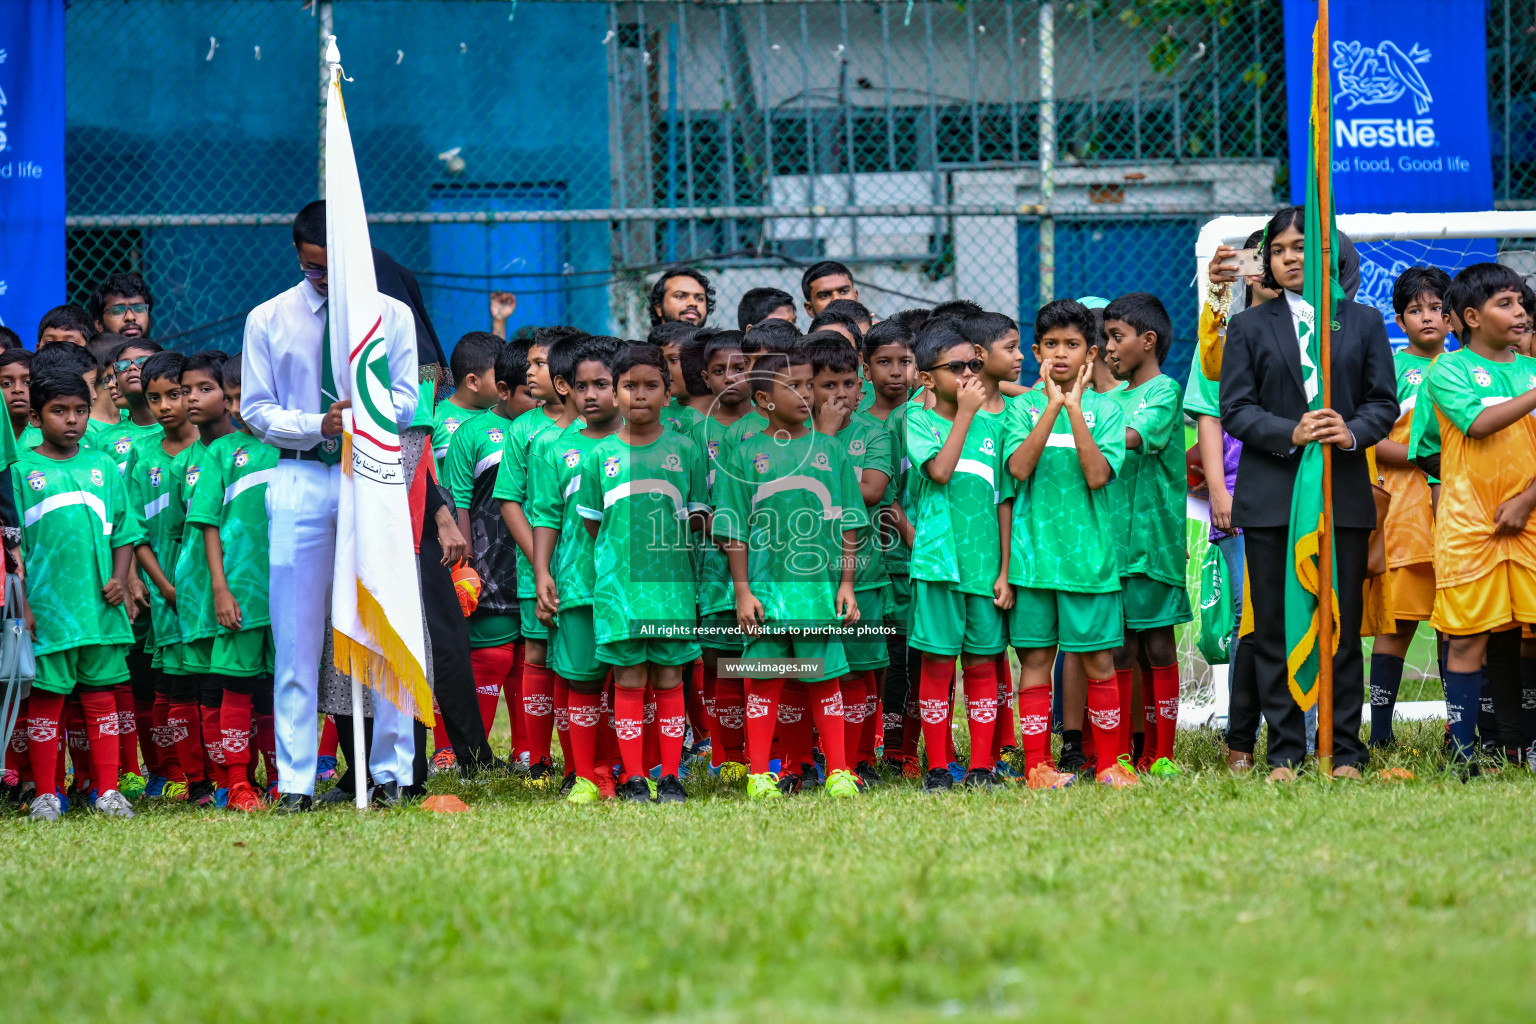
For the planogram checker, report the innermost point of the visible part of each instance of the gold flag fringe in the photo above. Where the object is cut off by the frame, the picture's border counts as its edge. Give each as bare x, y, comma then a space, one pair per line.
382, 673
1306, 572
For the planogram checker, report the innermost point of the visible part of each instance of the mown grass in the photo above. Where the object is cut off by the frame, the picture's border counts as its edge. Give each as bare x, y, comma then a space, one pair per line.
1203, 899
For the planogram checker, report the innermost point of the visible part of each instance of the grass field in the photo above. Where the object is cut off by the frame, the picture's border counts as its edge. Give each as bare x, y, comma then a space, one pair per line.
1203, 899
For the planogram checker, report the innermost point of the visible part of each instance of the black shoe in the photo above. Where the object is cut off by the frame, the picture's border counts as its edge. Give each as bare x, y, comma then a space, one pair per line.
336, 795
635, 791
200, 794
415, 791
868, 773
385, 795
540, 773
670, 791
565, 787
293, 803
937, 779
982, 778
1073, 760
789, 783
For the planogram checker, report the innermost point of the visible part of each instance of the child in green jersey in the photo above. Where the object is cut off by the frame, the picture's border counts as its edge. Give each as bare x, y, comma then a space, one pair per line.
156, 478
15, 376
725, 371
684, 410
641, 497
512, 490
767, 338
960, 588
836, 390
228, 505
495, 637
473, 363
77, 539
137, 421
208, 410
787, 514
563, 552
1150, 488
1065, 444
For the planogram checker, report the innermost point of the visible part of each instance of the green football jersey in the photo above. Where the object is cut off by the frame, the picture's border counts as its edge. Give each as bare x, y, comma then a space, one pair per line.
474, 457
1424, 428
790, 501
643, 560
1150, 485
447, 418
1460, 389
716, 594
512, 481
681, 418
957, 539
1063, 531
194, 588
74, 512
897, 553
867, 394
231, 493
30, 438
119, 439
156, 484
750, 423
868, 446
1202, 396
554, 470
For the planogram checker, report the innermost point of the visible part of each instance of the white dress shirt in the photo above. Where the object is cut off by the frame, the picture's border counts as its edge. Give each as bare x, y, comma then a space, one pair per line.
281, 366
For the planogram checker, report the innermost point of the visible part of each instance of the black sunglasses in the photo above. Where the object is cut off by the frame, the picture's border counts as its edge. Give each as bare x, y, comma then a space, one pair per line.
957, 366
124, 365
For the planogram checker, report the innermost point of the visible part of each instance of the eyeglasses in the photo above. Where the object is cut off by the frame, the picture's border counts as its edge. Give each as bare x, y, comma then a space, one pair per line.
124, 365
118, 309
959, 366
313, 272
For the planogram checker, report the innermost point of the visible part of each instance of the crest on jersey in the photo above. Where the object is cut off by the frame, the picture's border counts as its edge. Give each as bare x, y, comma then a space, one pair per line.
1482, 378
450, 425
121, 445
987, 447
154, 476
856, 447
760, 463
572, 457
611, 466
713, 448
36, 480
241, 457
1416, 376
1088, 417
494, 435
673, 463
96, 477
1532, 380
1034, 415
820, 461
193, 472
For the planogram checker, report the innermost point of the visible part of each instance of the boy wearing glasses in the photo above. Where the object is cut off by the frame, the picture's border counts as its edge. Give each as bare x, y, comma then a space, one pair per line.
959, 565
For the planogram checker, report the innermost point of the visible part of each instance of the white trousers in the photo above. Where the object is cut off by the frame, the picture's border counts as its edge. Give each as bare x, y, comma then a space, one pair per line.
301, 516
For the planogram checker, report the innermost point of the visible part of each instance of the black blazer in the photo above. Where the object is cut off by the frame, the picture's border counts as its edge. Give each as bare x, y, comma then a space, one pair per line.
1262, 401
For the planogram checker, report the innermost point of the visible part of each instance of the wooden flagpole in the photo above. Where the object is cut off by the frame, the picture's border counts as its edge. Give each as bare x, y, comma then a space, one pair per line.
1323, 155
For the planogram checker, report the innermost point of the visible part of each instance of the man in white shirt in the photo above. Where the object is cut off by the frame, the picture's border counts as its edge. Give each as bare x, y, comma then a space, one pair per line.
288, 399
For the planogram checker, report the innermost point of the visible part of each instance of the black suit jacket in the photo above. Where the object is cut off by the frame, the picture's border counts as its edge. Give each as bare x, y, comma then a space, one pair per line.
1262, 401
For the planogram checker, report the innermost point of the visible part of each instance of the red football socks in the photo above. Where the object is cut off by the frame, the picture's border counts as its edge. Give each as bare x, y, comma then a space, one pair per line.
1104, 719
933, 703
650, 740
45, 710
18, 753
671, 722
563, 722
213, 745
185, 724
144, 730
854, 688
439, 730
629, 727
328, 739
981, 711
266, 742
235, 733
796, 736
693, 697
538, 713
1165, 691
100, 708
872, 727
1002, 735
1035, 725
1125, 682
165, 740
762, 715
584, 711
607, 755
127, 730
827, 707
729, 738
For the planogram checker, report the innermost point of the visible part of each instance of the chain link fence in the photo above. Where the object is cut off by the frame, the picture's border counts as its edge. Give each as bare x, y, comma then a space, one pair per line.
999, 150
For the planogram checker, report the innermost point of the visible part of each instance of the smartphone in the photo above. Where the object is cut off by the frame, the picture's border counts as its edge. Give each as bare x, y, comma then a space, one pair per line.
1249, 263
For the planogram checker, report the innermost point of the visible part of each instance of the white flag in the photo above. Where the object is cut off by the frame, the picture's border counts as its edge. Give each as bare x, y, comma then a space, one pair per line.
375, 604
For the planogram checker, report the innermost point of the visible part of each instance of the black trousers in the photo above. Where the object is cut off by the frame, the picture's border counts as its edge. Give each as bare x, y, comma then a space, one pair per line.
453, 677
1244, 715
1267, 557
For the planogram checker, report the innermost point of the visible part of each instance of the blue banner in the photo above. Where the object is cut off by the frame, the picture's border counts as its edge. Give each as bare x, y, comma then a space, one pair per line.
1410, 123
31, 162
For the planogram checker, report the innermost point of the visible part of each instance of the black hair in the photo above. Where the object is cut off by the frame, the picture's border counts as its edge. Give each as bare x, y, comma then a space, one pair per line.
8, 338
693, 362
475, 353
151, 347
850, 307
770, 336
1475, 285
1066, 313
546, 337
759, 304
309, 225
123, 286
817, 271
162, 366
830, 351
1416, 281
211, 361
229, 373
1144, 312
67, 359
911, 319
641, 355
957, 307
887, 332
719, 341
48, 386
1289, 217
1528, 300
673, 332
772, 367
67, 318
16, 355
938, 336
985, 329
102, 346
512, 363
659, 291
828, 317
565, 357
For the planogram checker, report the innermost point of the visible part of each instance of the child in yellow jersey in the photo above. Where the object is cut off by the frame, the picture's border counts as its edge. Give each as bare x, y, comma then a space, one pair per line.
1419, 299
1485, 546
